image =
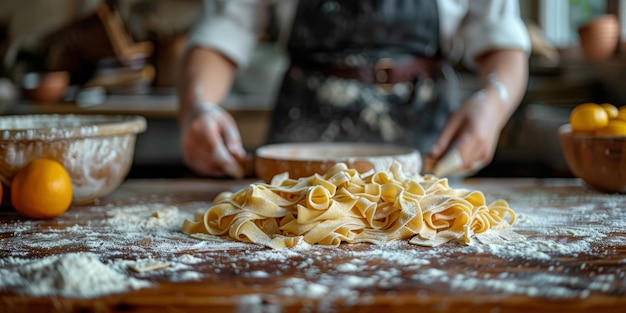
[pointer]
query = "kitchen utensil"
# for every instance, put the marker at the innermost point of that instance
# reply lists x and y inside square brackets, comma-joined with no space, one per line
[96,150]
[306,159]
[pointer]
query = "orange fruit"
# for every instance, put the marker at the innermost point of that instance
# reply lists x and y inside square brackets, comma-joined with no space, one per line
[42,189]
[588,117]
[621,113]
[614,128]
[610,109]
[587,104]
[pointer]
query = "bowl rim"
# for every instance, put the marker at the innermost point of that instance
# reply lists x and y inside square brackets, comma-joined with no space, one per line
[566,130]
[269,151]
[99,125]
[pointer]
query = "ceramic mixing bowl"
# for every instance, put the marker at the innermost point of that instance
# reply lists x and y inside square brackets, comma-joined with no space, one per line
[306,159]
[96,150]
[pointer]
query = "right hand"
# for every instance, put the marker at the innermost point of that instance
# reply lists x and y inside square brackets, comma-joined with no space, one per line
[211,143]
[470,137]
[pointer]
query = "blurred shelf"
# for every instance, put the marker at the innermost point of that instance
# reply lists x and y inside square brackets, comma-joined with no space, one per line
[157,106]
[160,144]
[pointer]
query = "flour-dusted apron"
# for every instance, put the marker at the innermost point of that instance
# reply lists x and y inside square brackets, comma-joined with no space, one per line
[313,105]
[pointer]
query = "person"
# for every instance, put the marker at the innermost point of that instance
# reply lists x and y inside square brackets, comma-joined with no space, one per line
[370,70]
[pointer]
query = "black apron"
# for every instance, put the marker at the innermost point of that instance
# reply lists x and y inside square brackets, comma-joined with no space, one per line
[312,106]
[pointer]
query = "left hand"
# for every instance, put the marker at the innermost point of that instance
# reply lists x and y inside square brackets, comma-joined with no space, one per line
[474,130]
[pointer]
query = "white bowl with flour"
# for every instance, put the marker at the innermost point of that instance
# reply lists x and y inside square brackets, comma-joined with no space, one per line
[96,150]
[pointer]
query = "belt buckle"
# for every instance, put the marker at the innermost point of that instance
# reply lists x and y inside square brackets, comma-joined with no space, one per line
[382,73]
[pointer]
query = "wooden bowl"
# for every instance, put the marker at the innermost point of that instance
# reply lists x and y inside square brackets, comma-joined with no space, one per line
[306,159]
[96,150]
[599,161]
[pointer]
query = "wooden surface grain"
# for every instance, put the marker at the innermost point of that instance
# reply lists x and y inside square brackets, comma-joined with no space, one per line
[586,272]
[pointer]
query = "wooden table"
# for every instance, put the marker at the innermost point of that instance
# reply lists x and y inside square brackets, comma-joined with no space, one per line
[573,258]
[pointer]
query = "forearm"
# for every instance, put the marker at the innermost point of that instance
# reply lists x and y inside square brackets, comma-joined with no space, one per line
[504,77]
[206,77]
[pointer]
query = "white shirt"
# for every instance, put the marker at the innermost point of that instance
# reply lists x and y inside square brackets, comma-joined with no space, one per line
[467,28]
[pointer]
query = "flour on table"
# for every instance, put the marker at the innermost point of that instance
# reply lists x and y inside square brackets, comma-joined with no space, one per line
[150,232]
[138,240]
[148,266]
[144,216]
[79,275]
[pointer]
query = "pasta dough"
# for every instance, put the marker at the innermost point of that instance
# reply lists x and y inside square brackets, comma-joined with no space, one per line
[343,205]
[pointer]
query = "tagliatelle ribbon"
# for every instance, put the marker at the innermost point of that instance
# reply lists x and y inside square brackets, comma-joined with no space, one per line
[343,205]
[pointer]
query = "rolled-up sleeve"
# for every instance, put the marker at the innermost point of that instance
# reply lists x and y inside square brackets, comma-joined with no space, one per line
[492,24]
[230,27]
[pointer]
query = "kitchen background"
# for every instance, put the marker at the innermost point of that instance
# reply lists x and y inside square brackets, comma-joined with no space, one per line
[122,56]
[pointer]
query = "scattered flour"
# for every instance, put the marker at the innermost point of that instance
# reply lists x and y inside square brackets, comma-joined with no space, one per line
[530,265]
[347,267]
[138,235]
[141,217]
[71,275]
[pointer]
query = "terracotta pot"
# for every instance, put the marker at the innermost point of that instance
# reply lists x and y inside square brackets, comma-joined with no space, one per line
[599,37]
[47,87]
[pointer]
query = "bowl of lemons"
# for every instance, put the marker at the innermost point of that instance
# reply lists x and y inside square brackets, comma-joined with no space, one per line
[594,145]
[40,152]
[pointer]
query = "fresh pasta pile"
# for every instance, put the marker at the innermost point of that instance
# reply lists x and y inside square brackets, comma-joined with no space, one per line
[343,205]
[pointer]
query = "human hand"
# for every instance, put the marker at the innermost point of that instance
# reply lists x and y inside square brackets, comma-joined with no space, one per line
[470,137]
[211,143]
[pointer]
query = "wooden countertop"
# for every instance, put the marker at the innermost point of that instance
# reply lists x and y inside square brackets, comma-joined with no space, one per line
[573,258]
